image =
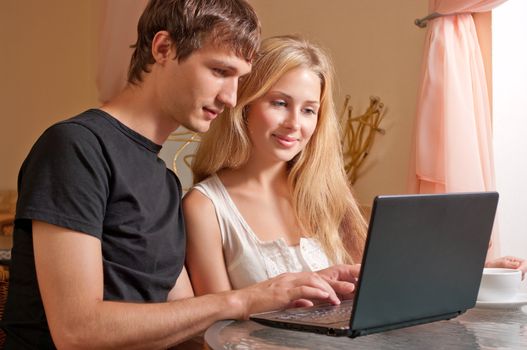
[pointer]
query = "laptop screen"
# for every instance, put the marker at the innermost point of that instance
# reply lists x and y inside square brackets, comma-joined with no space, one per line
[423,258]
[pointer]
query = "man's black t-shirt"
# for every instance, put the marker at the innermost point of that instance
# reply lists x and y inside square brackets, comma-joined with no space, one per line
[94,175]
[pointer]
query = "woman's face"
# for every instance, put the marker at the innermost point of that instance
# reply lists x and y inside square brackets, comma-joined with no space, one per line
[281,122]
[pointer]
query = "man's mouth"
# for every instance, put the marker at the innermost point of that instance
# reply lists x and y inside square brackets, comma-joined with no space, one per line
[212,112]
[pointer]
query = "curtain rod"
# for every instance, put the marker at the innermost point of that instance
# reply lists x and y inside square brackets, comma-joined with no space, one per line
[421,22]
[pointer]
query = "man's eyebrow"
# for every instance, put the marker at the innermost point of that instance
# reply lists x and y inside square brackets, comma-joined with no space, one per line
[289,97]
[225,65]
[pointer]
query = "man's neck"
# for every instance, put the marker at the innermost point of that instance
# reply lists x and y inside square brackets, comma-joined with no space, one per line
[136,108]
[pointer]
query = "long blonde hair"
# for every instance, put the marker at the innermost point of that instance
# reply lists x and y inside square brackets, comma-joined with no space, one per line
[322,200]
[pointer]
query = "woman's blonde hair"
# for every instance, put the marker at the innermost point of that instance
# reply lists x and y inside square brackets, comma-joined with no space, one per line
[321,197]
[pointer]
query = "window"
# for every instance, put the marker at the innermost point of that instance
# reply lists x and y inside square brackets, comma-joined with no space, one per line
[509,62]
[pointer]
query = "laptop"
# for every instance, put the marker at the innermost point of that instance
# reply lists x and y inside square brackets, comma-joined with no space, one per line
[423,261]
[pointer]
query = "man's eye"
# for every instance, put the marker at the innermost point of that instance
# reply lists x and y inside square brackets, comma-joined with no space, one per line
[220,72]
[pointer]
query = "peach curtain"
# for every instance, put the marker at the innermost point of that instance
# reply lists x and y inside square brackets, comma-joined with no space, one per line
[118,30]
[453,139]
[453,143]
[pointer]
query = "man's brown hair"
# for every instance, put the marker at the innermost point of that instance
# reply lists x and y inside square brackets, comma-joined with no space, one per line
[226,23]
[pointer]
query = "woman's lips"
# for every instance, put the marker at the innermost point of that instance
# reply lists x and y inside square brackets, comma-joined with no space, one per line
[285,141]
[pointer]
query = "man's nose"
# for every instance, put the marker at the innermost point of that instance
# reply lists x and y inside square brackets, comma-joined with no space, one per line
[229,91]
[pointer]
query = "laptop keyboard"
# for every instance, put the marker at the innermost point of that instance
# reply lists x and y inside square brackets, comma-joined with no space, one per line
[319,314]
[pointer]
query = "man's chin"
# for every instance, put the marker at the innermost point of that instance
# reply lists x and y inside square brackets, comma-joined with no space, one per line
[201,128]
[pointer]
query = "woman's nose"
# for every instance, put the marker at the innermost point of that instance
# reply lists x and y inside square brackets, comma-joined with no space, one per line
[292,121]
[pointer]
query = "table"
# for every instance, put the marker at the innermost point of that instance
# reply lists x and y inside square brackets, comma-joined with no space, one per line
[478,328]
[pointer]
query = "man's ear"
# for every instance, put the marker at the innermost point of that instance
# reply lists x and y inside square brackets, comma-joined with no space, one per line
[163,48]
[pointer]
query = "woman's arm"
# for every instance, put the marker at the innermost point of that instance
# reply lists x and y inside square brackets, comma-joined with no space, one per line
[509,262]
[205,261]
[182,289]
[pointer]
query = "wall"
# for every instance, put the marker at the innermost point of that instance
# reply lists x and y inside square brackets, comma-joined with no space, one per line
[510,123]
[48,58]
[375,45]
[48,70]
[377,50]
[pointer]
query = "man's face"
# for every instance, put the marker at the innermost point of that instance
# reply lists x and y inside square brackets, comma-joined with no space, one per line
[194,91]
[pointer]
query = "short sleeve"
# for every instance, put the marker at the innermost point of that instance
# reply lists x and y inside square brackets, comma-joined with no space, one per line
[64,181]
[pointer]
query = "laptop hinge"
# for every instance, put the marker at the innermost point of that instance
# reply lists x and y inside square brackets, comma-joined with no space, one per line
[358,332]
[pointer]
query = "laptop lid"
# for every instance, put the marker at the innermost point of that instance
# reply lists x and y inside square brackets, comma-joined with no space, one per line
[422,262]
[423,259]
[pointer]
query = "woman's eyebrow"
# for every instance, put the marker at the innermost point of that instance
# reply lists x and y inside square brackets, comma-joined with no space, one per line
[289,97]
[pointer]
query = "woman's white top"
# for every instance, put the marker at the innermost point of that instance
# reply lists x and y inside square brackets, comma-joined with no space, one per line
[248,259]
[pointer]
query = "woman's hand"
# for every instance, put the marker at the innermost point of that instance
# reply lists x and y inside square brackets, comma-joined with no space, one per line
[342,278]
[509,262]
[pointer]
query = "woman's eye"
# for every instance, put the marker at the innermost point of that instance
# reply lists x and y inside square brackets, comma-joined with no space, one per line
[310,111]
[278,103]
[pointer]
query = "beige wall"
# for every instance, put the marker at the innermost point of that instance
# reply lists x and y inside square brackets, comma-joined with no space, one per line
[49,51]
[48,69]
[377,50]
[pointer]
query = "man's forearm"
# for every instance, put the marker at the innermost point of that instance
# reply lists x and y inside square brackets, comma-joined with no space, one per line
[145,326]
[159,326]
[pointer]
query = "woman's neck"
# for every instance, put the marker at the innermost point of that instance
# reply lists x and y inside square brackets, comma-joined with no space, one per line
[258,176]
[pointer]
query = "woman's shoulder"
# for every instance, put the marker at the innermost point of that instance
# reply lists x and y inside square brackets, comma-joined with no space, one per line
[205,186]
[204,195]
[195,200]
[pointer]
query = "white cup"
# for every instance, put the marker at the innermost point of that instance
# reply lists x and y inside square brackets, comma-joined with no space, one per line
[499,284]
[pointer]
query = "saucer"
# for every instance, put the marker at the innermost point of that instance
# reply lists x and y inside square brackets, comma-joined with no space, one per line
[518,301]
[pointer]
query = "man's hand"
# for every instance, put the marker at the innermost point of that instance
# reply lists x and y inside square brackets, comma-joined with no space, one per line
[509,262]
[298,289]
[283,291]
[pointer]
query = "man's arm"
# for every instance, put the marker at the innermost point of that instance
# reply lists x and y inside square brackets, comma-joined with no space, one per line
[70,277]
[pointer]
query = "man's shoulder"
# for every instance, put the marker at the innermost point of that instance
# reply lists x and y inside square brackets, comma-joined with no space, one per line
[92,125]
[73,131]
[92,119]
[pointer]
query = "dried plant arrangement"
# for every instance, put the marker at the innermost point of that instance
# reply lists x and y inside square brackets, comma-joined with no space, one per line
[358,134]
[185,137]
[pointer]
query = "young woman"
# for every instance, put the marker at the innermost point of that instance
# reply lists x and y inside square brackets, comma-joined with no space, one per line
[272,195]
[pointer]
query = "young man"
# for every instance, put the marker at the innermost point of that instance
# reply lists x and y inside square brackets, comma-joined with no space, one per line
[99,238]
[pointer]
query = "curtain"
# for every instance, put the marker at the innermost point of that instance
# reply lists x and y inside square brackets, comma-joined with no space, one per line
[453,136]
[118,30]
